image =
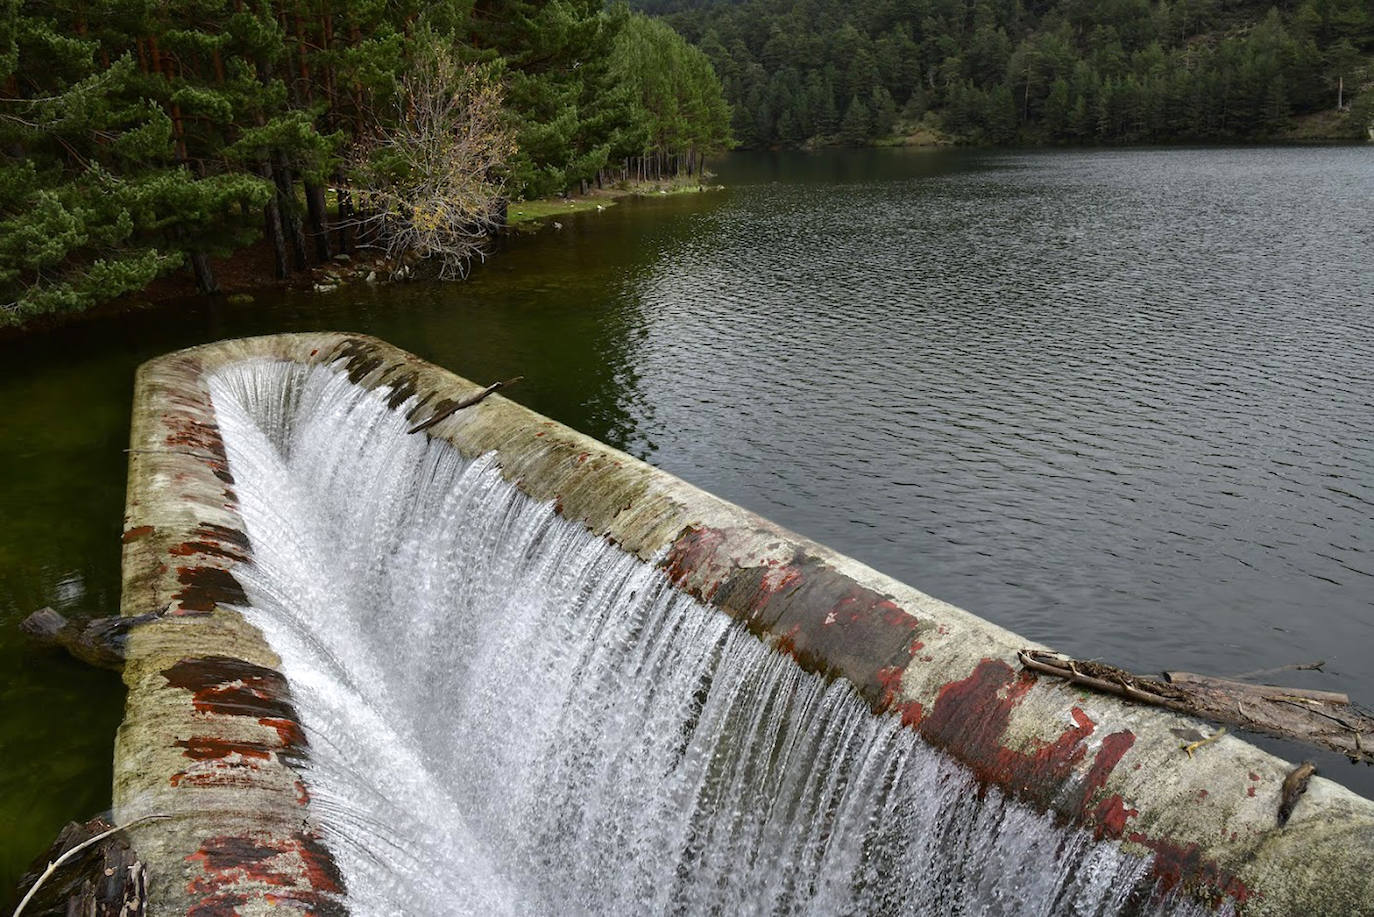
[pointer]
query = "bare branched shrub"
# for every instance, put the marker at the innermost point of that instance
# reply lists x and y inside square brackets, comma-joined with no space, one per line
[429,180]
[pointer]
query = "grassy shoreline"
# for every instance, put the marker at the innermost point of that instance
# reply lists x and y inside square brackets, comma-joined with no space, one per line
[524,215]
[249,270]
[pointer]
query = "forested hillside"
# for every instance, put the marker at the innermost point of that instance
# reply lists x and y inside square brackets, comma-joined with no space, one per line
[139,136]
[1035,71]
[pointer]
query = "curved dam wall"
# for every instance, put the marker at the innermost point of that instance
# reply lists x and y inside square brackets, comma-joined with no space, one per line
[212,735]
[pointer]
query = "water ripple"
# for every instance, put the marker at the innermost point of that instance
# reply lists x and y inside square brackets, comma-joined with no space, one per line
[1117,401]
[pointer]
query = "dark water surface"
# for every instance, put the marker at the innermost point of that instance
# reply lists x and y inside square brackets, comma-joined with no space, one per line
[1119,402]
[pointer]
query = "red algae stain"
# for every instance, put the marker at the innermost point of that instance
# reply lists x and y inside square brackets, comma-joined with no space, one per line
[1114,748]
[890,677]
[137,532]
[207,548]
[320,867]
[970,719]
[205,748]
[694,551]
[291,734]
[215,541]
[233,868]
[220,854]
[232,687]
[778,578]
[834,626]
[205,587]
[1111,814]
[1175,864]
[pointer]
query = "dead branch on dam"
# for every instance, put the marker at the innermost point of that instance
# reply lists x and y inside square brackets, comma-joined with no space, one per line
[1325,719]
[452,409]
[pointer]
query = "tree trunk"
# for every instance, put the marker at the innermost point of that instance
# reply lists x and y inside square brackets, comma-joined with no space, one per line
[316,210]
[205,277]
[272,218]
[286,207]
[345,214]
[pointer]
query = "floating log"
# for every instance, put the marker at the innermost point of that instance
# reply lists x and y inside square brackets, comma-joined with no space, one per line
[99,642]
[1244,687]
[1324,719]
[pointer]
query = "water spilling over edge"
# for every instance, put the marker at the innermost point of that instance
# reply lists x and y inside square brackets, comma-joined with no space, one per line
[509,715]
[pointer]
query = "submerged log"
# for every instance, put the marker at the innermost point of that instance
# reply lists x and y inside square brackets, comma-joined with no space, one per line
[91,870]
[100,642]
[1324,719]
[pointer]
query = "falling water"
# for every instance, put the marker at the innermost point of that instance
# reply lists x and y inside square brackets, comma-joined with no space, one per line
[508,715]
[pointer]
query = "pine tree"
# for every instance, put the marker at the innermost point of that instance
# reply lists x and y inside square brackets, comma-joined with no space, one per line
[97,192]
[857,126]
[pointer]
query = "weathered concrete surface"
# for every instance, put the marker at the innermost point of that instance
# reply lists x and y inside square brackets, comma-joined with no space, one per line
[1109,766]
[209,733]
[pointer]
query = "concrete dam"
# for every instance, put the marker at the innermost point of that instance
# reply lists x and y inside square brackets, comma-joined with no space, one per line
[498,667]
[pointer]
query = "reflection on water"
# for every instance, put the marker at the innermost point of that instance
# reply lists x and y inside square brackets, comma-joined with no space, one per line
[1117,401]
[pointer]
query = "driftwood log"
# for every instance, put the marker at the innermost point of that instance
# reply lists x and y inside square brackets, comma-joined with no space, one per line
[85,874]
[1324,719]
[99,642]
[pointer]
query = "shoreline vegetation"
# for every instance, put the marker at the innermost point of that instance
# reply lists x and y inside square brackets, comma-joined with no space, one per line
[247,272]
[149,142]
[158,145]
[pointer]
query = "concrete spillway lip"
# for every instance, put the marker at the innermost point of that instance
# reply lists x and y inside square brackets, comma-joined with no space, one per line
[211,737]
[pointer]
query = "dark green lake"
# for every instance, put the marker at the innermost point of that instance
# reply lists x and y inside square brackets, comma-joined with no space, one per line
[1117,401]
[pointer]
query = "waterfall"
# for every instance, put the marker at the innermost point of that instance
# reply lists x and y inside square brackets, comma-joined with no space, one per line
[508,715]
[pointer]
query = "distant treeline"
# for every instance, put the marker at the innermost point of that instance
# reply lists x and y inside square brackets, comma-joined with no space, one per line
[1034,71]
[143,135]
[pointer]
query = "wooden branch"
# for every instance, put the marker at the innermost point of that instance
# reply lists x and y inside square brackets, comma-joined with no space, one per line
[1294,667]
[90,842]
[1321,718]
[1242,687]
[465,403]
[1033,659]
[1194,746]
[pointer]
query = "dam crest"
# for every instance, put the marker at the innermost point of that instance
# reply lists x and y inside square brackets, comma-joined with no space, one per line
[500,668]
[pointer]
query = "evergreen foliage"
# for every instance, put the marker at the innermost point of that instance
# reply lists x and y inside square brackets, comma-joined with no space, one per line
[142,136]
[1057,71]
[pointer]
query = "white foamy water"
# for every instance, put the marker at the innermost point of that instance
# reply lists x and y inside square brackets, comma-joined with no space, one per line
[508,715]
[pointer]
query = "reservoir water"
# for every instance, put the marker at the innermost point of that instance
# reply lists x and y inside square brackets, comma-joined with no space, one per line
[1118,401]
